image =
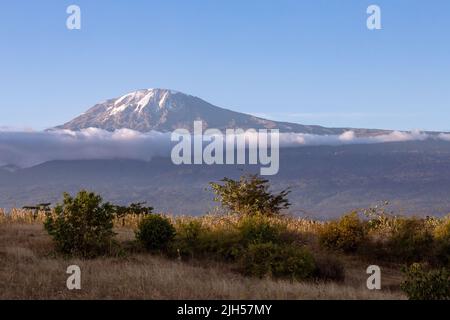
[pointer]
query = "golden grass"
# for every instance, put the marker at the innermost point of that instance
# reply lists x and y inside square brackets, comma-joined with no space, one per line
[29,269]
[212,221]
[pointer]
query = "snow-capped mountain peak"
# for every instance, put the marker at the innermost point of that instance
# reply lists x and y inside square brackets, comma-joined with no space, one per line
[137,101]
[166,110]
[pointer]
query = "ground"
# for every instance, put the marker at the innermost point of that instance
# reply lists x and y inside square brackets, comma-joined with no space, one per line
[29,269]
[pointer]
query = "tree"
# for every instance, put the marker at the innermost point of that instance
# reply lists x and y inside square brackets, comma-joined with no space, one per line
[82,225]
[134,208]
[250,195]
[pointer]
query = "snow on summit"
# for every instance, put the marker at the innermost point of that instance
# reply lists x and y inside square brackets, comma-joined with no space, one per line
[165,110]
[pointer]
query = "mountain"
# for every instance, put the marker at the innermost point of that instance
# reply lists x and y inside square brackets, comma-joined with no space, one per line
[326,181]
[166,110]
[9,168]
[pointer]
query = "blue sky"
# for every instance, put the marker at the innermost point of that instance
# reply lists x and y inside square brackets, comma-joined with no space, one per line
[312,62]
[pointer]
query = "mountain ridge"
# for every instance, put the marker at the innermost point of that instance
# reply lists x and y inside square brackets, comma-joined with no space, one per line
[325,181]
[165,110]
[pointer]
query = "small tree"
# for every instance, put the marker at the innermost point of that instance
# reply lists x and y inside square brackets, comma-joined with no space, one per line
[82,225]
[155,232]
[250,195]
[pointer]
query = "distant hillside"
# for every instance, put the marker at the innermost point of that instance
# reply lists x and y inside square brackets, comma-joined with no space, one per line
[326,181]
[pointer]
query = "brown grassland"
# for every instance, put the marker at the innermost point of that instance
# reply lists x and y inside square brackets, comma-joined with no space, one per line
[30,269]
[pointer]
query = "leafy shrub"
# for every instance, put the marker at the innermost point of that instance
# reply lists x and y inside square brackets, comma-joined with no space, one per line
[222,244]
[250,195]
[423,284]
[82,225]
[346,234]
[442,238]
[259,229]
[329,268]
[155,232]
[193,239]
[268,259]
[411,241]
[187,241]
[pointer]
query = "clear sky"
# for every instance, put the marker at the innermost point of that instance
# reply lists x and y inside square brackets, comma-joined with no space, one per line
[312,62]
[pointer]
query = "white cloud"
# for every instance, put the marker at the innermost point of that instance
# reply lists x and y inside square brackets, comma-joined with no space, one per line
[29,148]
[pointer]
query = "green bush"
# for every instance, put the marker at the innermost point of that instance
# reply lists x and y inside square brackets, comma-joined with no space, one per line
[286,261]
[442,238]
[250,195]
[155,232]
[424,284]
[82,225]
[346,234]
[188,240]
[259,229]
[411,241]
[223,245]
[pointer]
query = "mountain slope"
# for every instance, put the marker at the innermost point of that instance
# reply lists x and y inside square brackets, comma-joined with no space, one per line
[325,181]
[166,110]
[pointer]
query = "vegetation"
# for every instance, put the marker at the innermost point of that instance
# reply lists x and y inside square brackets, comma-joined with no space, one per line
[155,232]
[426,284]
[250,195]
[411,241]
[255,242]
[82,225]
[346,234]
[258,229]
[287,261]
[442,242]
[30,270]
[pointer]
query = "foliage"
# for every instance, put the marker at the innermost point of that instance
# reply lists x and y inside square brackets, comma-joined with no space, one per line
[250,195]
[268,259]
[329,268]
[82,225]
[411,241]
[259,229]
[346,234]
[188,238]
[424,284]
[155,232]
[132,209]
[442,238]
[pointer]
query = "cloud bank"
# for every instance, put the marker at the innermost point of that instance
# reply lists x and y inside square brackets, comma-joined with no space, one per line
[29,148]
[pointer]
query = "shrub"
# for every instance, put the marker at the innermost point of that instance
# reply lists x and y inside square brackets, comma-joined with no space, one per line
[329,268]
[187,240]
[346,234]
[155,232]
[423,284]
[411,241]
[250,195]
[442,237]
[82,225]
[193,239]
[222,244]
[259,229]
[287,261]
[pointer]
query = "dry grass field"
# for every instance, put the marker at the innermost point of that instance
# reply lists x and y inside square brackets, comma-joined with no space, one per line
[30,269]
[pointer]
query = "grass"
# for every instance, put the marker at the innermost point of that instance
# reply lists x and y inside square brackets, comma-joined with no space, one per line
[30,269]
